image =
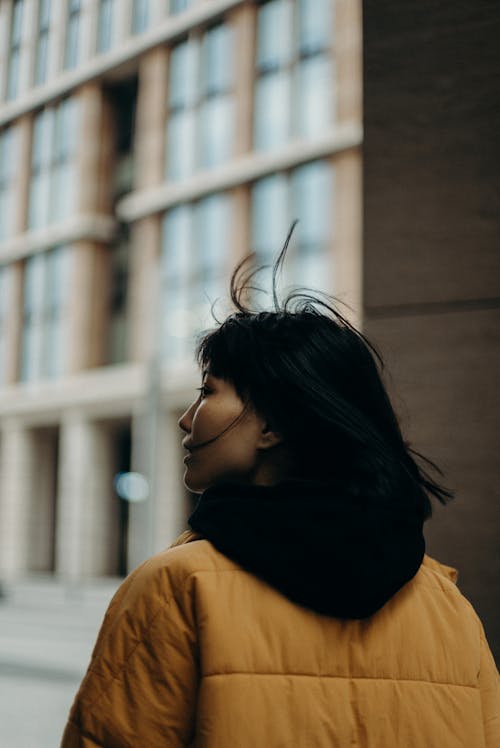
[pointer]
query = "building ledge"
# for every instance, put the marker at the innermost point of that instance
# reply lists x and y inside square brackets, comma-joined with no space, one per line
[241,170]
[90,226]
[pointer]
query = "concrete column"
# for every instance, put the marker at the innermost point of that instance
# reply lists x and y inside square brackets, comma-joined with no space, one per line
[88,312]
[144,269]
[158,12]
[21,186]
[151,115]
[122,21]
[348,60]
[167,514]
[243,22]
[95,151]
[85,532]
[16,488]
[347,238]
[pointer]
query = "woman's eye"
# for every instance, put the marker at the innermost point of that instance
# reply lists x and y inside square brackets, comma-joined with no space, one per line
[203,390]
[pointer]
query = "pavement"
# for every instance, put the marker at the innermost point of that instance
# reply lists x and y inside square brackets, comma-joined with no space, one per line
[47,632]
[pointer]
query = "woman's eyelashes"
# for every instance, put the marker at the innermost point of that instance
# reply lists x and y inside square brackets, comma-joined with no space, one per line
[204,391]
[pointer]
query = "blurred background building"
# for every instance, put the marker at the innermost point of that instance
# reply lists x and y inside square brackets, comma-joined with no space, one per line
[145,147]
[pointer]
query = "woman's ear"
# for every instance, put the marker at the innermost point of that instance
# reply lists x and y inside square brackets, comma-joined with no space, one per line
[268,437]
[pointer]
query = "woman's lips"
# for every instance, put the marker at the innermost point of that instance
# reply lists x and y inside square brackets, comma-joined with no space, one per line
[188,457]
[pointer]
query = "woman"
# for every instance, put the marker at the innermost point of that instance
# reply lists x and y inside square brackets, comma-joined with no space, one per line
[301,609]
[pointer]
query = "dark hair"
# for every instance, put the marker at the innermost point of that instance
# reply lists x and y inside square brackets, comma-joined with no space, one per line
[315,378]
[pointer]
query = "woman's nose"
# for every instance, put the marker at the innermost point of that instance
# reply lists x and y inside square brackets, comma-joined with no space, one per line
[185,420]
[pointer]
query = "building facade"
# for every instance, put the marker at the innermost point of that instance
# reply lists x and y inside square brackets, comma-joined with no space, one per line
[146,146]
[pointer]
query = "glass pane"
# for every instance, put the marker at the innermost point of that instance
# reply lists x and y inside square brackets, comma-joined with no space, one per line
[72,38]
[217,60]
[17,16]
[176,244]
[44,14]
[312,270]
[140,16]
[274,34]
[65,129]
[62,193]
[181,145]
[312,203]
[216,136]
[105,25]
[177,6]
[38,214]
[212,233]
[34,282]
[57,286]
[182,76]
[41,150]
[315,25]
[41,58]
[270,215]
[13,77]
[316,97]
[272,110]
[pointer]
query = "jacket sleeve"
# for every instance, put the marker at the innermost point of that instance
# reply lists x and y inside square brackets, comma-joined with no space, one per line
[140,687]
[489,686]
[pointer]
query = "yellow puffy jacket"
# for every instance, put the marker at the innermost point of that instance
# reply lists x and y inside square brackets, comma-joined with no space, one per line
[195,651]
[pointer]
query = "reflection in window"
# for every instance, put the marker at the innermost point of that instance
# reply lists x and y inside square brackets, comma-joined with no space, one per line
[294,81]
[140,16]
[72,46]
[45,296]
[105,25]
[4,304]
[195,249]
[42,42]
[8,165]
[52,186]
[305,194]
[200,104]
[14,49]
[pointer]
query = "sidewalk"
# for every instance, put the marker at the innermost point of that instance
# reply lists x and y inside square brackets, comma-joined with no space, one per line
[47,631]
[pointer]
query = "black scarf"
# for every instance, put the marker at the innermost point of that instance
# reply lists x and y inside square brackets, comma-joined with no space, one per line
[339,555]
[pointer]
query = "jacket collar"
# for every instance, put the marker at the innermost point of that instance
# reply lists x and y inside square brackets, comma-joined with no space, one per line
[324,549]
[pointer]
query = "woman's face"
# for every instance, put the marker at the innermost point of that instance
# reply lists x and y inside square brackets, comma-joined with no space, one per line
[238,454]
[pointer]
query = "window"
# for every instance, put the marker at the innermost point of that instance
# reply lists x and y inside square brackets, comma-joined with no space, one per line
[140,16]
[177,6]
[8,164]
[294,75]
[72,47]
[42,42]
[46,284]
[216,106]
[4,305]
[200,104]
[195,249]
[106,25]
[306,193]
[15,49]
[53,179]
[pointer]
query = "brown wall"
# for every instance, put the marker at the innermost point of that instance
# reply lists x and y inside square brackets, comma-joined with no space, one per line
[432,259]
